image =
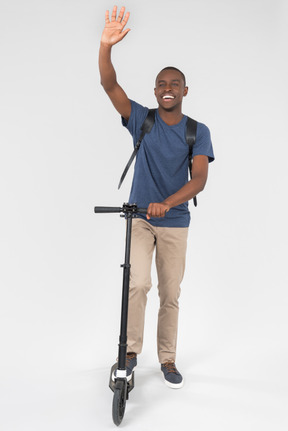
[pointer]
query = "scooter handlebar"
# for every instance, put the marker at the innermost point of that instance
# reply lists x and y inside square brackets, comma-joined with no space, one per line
[108,209]
[118,210]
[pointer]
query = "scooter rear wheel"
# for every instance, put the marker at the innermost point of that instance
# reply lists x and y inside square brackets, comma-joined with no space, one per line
[119,401]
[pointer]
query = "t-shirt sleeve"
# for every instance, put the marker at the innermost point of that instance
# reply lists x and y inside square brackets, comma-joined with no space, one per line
[203,144]
[136,119]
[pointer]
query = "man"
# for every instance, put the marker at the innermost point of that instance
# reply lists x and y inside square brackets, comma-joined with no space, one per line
[160,183]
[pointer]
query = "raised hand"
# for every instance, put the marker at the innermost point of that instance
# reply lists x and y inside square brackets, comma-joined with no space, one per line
[114,30]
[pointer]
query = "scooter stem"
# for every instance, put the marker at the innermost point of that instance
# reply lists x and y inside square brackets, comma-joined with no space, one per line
[125,296]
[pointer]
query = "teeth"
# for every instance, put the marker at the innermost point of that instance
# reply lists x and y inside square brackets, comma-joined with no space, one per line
[168,97]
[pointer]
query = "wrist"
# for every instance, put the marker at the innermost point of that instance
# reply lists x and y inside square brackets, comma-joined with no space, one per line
[166,202]
[105,45]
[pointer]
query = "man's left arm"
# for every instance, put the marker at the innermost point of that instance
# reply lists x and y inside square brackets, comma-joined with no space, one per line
[187,192]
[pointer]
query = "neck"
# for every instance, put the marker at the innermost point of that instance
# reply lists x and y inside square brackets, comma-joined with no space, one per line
[170,117]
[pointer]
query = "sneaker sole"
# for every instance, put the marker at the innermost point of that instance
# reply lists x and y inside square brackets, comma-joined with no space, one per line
[174,385]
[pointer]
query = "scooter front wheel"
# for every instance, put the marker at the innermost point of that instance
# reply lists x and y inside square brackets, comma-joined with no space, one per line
[119,401]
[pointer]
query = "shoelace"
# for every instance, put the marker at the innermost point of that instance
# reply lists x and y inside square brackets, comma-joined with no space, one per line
[129,356]
[171,368]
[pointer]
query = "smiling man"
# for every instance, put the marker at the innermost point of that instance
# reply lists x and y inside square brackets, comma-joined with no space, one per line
[160,183]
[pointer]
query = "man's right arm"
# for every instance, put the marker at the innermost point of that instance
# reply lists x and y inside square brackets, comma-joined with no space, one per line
[113,33]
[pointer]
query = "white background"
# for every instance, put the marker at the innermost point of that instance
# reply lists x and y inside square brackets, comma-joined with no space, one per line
[63,150]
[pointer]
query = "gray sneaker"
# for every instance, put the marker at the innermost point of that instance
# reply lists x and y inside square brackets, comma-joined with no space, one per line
[172,377]
[131,362]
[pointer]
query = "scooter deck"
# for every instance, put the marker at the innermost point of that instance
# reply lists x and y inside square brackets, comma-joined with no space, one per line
[130,384]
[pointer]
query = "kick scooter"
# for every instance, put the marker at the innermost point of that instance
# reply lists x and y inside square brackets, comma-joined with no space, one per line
[118,378]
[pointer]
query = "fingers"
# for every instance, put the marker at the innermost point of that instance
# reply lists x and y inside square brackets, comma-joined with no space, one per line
[125,19]
[121,13]
[156,209]
[120,18]
[125,32]
[114,13]
[107,17]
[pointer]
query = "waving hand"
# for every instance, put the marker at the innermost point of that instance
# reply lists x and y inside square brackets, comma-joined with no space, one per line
[114,30]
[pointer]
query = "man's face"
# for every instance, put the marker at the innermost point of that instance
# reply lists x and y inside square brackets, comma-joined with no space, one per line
[170,89]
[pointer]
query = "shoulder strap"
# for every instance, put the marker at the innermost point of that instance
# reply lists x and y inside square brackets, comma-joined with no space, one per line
[145,128]
[191,130]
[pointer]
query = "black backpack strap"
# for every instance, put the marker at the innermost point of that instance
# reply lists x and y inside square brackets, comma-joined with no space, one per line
[191,130]
[145,128]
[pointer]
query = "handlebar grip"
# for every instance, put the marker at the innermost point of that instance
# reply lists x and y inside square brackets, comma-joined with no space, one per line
[108,209]
[142,210]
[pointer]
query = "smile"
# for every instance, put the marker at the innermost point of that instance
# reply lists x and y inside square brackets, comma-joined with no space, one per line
[167,97]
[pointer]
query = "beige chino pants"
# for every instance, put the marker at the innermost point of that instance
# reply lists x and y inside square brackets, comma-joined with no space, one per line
[170,245]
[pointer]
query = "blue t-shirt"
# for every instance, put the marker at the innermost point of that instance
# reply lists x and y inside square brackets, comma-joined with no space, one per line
[161,167]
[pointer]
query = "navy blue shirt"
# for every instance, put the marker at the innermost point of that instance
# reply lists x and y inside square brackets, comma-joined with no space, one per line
[161,167]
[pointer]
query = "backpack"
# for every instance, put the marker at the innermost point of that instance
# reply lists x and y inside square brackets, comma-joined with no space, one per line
[191,129]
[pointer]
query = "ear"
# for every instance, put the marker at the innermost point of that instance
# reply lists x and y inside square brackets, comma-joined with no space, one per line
[185,91]
[155,91]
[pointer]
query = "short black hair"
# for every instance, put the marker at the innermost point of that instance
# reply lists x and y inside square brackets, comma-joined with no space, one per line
[173,68]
